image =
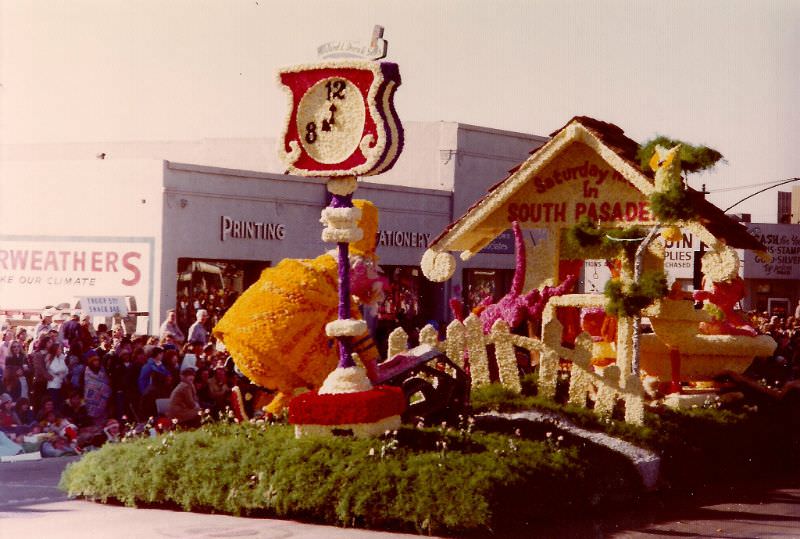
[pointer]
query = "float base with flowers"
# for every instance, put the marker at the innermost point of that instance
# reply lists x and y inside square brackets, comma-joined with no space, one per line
[586,191]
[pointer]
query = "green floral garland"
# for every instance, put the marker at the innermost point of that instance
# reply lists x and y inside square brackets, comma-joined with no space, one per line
[586,241]
[672,205]
[625,301]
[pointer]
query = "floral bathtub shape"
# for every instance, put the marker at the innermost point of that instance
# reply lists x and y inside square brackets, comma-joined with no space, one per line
[702,357]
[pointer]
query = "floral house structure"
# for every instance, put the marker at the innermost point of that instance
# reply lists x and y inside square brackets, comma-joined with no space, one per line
[583,195]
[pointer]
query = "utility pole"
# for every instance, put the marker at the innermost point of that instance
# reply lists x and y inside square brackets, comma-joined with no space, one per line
[697,277]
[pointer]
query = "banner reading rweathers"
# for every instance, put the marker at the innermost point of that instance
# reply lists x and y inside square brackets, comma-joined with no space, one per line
[37,272]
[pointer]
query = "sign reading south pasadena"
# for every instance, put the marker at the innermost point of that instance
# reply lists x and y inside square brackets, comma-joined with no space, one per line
[35,273]
[783,246]
[342,120]
[577,184]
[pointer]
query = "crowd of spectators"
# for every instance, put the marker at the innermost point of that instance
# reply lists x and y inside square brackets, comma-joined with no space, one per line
[67,386]
[784,364]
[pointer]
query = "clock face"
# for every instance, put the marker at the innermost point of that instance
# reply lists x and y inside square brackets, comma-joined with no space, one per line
[342,120]
[330,120]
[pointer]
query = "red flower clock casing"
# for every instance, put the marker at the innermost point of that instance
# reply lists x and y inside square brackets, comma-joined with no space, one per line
[342,120]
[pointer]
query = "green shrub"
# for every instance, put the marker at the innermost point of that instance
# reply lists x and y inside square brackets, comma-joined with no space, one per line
[429,480]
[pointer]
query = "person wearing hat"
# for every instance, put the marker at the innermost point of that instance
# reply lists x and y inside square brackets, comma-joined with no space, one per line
[8,416]
[46,324]
[184,406]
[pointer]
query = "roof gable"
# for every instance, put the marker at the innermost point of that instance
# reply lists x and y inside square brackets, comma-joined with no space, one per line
[493,213]
[476,228]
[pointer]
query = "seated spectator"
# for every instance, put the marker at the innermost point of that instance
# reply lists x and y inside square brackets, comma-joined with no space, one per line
[183,406]
[10,422]
[51,422]
[112,431]
[47,406]
[207,359]
[58,447]
[25,412]
[109,434]
[74,411]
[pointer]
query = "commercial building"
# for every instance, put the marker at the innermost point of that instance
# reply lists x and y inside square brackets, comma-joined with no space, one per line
[151,226]
[96,223]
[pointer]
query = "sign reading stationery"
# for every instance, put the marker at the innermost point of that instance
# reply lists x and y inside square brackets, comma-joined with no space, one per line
[342,120]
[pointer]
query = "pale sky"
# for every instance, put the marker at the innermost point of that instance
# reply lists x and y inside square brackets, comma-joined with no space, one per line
[723,73]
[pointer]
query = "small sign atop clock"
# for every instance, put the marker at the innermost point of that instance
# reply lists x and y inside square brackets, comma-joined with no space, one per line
[375,50]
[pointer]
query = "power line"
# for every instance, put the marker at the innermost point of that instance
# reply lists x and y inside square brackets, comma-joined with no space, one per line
[790,180]
[740,187]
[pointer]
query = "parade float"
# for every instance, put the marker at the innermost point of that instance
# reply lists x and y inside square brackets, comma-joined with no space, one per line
[585,190]
[589,199]
[346,459]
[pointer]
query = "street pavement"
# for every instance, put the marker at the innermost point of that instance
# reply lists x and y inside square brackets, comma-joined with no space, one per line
[31,506]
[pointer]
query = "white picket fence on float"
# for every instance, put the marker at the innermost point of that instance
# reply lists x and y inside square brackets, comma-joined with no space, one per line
[466,339]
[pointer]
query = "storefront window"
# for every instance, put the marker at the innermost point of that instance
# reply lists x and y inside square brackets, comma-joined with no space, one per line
[213,285]
[411,302]
[401,303]
[481,283]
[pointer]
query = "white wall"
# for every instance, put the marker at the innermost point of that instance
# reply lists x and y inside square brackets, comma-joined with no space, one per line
[93,204]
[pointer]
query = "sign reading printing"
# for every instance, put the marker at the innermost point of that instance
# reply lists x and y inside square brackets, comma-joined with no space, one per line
[250,230]
[37,272]
[104,305]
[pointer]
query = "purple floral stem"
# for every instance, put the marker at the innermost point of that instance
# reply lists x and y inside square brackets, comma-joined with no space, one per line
[345,345]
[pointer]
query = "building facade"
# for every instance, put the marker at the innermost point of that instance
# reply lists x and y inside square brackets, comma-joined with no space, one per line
[185,224]
[80,227]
